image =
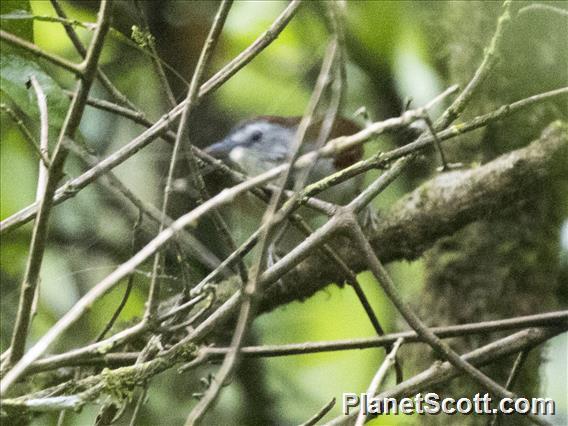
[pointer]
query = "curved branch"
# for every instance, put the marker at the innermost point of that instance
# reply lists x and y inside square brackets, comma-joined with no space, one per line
[436,209]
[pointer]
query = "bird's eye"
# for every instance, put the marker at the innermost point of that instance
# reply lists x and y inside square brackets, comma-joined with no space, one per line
[256,136]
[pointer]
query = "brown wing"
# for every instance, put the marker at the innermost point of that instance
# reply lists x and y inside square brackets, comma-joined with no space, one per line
[344,127]
[341,127]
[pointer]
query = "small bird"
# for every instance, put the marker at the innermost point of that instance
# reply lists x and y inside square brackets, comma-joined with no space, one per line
[264,142]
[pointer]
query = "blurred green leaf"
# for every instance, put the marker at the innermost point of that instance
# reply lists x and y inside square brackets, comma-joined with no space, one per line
[15,72]
[22,28]
[17,187]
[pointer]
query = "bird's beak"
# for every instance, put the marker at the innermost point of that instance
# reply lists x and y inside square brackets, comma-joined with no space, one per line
[220,149]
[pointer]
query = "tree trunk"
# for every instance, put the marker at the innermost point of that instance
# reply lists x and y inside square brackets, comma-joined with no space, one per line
[508,266]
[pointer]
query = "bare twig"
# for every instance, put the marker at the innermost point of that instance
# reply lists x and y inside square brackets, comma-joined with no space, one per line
[248,305]
[24,16]
[490,59]
[181,137]
[134,115]
[43,139]
[137,407]
[379,378]
[88,69]
[412,319]
[67,25]
[541,7]
[475,123]
[162,124]
[435,375]
[250,52]
[151,44]
[320,414]
[129,284]
[440,373]
[513,375]
[32,48]
[43,168]
[25,132]
[110,182]
[551,319]
[103,78]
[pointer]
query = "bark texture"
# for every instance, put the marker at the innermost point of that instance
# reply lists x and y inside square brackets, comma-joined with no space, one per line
[508,265]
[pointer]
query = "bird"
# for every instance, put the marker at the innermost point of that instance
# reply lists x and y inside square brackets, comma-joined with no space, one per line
[259,144]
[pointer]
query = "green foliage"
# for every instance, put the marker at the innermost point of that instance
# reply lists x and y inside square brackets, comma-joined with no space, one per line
[16,8]
[142,38]
[388,49]
[15,74]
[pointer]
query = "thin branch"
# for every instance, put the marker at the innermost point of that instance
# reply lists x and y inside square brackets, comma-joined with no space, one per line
[25,132]
[151,44]
[68,26]
[379,378]
[194,317]
[103,78]
[32,48]
[437,374]
[43,139]
[110,182]
[129,284]
[557,319]
[137,407]
[254,49]
[95,349]
[513,375]
[552,319]
[540,7]
[248,303]
[157,129]
[351,279]
[440,373]
[39,235]
[43,168]
[134,115]
[476,123]
[441,348]
[181,137]
[320,414]
[22,15]
[490,59]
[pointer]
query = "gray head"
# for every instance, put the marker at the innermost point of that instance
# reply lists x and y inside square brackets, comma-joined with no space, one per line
[256,145]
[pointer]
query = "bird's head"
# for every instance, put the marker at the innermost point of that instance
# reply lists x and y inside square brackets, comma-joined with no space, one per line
[261,143]
[258,144]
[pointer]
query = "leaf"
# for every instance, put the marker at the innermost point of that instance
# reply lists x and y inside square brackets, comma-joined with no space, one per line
[15,72]
[22,28]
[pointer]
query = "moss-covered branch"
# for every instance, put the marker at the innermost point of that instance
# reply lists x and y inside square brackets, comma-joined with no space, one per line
[438,208]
